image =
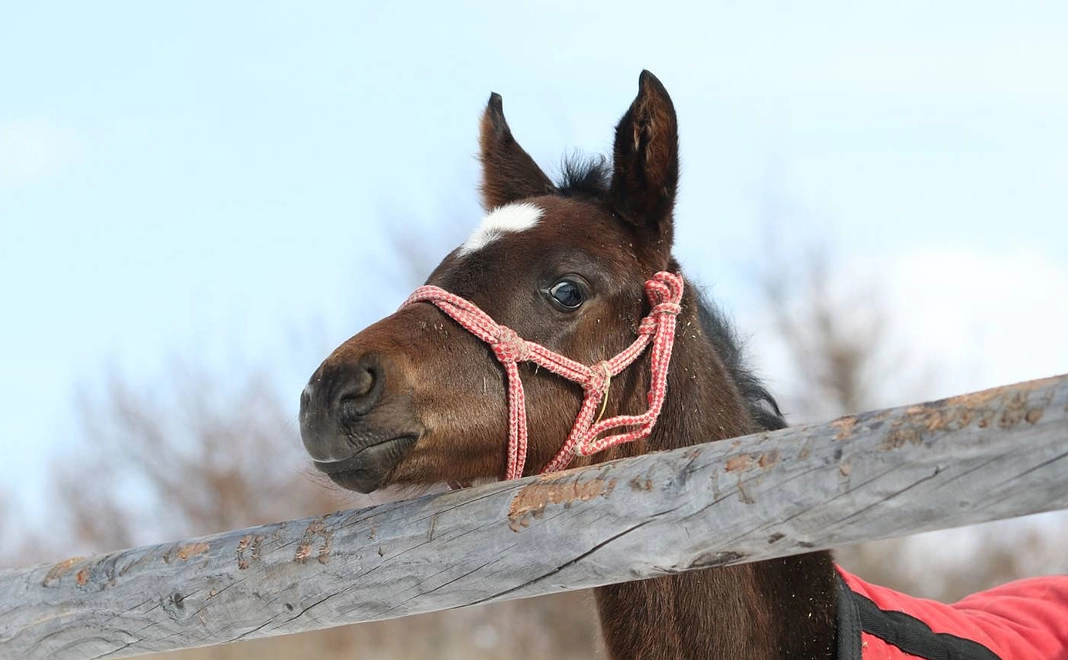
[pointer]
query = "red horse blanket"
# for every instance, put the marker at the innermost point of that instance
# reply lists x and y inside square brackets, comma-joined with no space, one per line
[1022,620]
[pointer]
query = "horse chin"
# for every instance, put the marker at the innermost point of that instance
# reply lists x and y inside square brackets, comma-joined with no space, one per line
[369,469]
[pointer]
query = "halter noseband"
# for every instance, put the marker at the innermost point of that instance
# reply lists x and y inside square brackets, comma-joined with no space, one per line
[664,292]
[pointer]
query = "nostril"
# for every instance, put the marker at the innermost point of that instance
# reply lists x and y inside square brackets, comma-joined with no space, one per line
[361,390]
[363,381]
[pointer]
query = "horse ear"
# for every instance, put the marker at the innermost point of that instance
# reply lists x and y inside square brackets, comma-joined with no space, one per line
[508,173]
[645,168]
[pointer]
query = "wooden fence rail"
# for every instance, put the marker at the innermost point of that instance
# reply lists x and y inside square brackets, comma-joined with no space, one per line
[979,457]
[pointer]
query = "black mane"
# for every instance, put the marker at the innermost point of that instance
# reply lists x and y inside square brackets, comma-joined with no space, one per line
[717,327]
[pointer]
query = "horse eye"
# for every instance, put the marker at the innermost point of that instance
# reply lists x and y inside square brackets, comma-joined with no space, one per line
[567,294]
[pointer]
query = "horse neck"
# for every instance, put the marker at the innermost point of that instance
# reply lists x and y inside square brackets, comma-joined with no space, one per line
[782,608]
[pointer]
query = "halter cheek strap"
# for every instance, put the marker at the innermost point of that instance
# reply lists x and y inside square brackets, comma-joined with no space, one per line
[664,292]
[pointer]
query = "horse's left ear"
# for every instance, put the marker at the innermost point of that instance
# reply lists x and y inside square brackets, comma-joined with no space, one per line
[645,168]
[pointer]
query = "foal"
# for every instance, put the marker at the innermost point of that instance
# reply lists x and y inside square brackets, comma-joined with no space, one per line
[415,400]
[581,276]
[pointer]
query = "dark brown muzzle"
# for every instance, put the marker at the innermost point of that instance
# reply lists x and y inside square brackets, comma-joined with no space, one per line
[347,426]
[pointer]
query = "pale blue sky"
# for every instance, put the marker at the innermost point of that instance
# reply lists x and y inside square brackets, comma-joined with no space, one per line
[215,180]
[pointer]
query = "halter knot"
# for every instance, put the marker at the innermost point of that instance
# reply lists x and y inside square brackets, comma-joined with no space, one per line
[509,346]
[650,323]
[599,378]
[667,308]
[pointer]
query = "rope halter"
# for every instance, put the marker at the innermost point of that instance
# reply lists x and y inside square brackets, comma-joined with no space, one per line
[664,292]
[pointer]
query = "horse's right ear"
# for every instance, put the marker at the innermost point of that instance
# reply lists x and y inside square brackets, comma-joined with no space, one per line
[509,174]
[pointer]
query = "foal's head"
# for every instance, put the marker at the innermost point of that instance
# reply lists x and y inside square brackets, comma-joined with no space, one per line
[415,399]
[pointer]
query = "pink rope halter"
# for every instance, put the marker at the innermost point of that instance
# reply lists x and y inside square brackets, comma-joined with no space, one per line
[664,292]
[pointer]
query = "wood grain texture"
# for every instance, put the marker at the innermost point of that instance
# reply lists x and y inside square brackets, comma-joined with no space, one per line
[979,457]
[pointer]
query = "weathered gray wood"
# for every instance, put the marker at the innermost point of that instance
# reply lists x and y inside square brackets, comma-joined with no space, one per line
[978,457]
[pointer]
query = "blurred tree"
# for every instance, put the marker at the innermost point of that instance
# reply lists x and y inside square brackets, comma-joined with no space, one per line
[838,344]
[832,340]
[187,458]
[10,536]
